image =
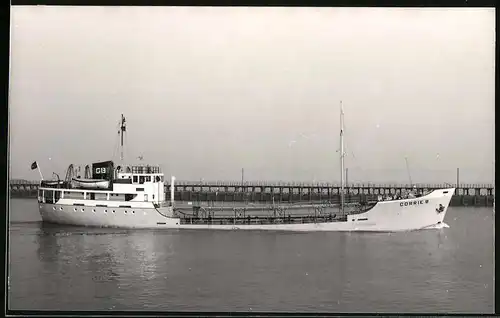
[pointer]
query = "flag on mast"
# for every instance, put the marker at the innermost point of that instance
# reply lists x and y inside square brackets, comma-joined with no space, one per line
[34,166]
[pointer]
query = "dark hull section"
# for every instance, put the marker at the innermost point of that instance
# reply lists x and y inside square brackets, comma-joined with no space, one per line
[260,220]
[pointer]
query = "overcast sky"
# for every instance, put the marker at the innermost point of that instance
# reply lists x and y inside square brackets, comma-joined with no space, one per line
[208,91]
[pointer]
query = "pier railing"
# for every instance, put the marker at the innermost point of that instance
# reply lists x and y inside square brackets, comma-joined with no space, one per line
[280,191]
[286,184]
[292,184]
[295,187]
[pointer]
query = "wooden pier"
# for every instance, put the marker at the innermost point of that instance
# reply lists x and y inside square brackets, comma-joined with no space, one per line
[292,192]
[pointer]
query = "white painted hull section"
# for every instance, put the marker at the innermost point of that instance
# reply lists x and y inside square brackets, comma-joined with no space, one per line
[386,216]
[116,217]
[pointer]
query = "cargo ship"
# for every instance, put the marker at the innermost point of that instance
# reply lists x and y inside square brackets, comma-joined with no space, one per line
[133,196]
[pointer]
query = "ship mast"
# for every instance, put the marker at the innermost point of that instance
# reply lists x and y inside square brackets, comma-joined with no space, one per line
[122,130]
[341,159]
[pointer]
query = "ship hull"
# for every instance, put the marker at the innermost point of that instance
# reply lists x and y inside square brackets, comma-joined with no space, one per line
[386,216]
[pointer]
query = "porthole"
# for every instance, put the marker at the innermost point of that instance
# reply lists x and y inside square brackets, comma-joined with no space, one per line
[105,211]
[60,208]
[93,210]
[113,211]
[125,212]
[74,209]
[83,210]
[54,208]
[133,212]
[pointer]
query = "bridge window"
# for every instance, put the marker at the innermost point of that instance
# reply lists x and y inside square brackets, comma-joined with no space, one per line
[100,196]
[148,178]
[73,195]
[141,179]
[134,179]
[48,196]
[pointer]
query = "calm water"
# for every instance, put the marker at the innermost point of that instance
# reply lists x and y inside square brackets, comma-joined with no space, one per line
[68,268]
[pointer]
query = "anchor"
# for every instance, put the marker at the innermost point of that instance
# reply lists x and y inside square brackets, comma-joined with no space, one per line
[440,208]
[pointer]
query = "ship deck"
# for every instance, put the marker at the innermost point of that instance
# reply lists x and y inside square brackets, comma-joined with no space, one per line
[257,215]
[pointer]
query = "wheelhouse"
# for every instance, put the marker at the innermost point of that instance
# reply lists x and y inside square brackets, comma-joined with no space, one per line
[138,174]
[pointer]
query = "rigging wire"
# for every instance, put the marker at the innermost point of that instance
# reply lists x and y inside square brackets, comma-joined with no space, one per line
[126,152]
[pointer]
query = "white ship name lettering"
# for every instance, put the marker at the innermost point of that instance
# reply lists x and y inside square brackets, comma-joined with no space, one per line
[100,170]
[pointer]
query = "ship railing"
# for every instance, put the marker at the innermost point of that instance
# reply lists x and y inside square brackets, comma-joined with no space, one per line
[139,169]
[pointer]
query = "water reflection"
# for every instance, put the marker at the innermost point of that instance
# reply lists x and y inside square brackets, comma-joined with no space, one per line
[342,264]
[71,268]
[144,254]
[47,238]
[75,259]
